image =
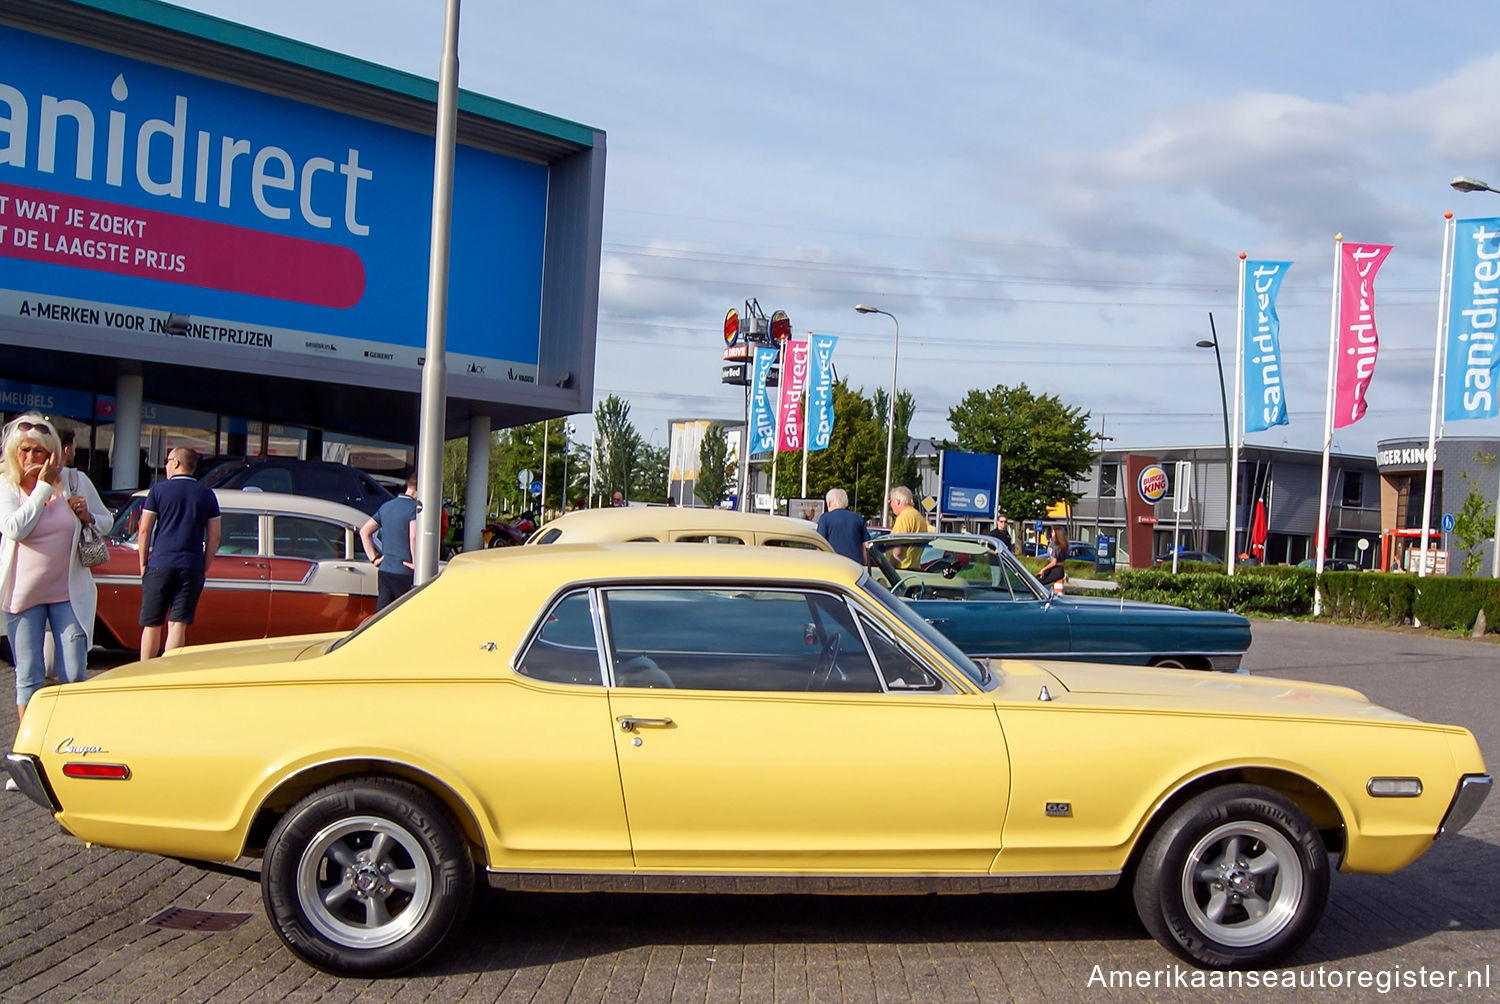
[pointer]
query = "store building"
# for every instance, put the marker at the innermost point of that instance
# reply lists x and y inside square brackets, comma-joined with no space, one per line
[1284,482]
[219,238]
[1462,467]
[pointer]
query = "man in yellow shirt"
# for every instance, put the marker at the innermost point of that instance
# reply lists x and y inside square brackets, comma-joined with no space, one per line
[908,520]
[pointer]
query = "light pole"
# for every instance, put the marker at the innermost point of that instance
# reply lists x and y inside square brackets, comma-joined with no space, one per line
[1463,183]
[569,429]
[1205,343]
[890,418]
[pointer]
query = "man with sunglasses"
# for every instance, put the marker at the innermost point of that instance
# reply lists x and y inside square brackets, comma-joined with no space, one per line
[185,517]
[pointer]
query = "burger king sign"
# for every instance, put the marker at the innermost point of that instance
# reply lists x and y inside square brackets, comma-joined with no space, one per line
[1152,484]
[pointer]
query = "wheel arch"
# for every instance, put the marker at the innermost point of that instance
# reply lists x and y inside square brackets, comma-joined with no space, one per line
[1185,661]
[1309,796]
[294,787]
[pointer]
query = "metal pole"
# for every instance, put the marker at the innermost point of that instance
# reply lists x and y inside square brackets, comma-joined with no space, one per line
[1445,290]
[1228,447]
[435,366]
[1333,347]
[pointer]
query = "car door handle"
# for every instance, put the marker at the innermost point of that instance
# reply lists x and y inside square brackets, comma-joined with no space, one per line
[936,621]
[630,724]
[346,568]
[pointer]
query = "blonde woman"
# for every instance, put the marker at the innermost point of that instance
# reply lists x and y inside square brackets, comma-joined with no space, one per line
[43,586]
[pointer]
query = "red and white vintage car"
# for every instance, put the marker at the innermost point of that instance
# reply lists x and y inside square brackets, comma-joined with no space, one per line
[286,565]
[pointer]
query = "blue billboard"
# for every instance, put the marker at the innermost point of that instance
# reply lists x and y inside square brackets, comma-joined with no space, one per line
[970,483]
[129,191]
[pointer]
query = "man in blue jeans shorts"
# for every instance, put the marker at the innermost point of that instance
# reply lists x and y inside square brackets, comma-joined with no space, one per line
[185,518]
[396,522]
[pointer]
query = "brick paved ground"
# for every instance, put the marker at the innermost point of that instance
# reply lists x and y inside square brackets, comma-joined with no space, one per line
[71,917]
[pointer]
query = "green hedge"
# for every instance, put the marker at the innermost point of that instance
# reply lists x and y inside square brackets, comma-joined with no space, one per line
[1443,602]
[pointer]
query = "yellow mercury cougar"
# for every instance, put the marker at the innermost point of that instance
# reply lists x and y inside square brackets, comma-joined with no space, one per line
[766,719]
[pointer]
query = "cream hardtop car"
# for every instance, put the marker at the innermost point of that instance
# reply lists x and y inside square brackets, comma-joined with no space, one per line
[677,524]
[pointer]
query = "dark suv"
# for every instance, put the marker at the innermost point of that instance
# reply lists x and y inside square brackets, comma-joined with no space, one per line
[318,478]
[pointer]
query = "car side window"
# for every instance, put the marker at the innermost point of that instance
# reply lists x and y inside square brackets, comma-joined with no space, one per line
[564,648]
[269,479]
[239,533]
[307,537]
[780,542]
[901,670]
[736,639]
[707,538]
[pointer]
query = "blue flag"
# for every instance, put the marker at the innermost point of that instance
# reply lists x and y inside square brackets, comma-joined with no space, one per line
[762,418]
[820,393]
[1265,396]
[1471,370]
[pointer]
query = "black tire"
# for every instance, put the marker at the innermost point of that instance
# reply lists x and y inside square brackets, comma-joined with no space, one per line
[1237,878]
[350,916]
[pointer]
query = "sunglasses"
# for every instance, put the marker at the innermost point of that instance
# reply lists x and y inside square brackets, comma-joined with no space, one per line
[39,426]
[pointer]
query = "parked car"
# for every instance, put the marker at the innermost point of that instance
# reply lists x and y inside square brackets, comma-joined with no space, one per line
[1079,551]
[1332,564]
[321,479]
[982,597]
[1202,557]
[680,524]
[997,608]
[632,715]
[286,565]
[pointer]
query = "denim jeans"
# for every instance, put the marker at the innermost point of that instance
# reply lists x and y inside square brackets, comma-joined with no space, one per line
[26,631]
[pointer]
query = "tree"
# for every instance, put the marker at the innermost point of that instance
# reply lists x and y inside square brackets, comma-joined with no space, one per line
[617,445]
[648,478]
[855,458]
[1472,524]
[714,476]
[1043,444]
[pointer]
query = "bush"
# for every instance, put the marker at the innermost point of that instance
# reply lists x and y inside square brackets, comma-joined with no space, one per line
[1442,602]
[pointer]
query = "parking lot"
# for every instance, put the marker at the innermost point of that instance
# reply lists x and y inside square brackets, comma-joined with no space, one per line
[74,918]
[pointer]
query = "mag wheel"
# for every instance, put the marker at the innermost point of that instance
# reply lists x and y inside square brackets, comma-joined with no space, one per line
[366,877]
[1236,878]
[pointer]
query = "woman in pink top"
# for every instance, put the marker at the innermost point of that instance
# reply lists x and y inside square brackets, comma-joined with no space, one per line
[42,583]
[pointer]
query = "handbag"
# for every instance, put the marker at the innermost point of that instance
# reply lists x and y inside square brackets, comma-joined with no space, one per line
[92,548]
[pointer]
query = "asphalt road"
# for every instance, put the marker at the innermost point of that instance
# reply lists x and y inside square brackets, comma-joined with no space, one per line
[72,918]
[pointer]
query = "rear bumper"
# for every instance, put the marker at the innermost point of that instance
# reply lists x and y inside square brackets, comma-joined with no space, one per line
[1470,794]
[27,772]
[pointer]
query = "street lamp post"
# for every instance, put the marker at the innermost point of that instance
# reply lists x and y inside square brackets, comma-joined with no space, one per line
[1205,343]
[1462,183]
[890,418]
[569,429]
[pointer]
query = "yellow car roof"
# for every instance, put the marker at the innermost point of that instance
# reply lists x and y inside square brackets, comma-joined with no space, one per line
[559,564]
[628,523]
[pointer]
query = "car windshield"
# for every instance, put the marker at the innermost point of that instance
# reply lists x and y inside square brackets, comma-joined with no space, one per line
[975,670]
[953,568]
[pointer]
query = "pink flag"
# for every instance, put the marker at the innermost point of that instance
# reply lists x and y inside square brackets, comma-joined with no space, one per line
[1358,342]
[793,382]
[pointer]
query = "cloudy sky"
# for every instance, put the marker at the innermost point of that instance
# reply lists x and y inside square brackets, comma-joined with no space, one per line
[1048,193]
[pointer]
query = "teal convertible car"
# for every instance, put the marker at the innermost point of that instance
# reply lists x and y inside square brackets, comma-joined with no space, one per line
[980,596]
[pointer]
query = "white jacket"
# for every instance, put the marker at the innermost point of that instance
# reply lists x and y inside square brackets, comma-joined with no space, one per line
[19,513]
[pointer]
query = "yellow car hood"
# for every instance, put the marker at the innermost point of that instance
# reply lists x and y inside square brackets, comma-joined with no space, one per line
[1219,692]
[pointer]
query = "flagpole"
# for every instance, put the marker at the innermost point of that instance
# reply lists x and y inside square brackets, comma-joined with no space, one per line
[1333,363]
[806,421]
[780,400]
[1239,426]
[1445,292]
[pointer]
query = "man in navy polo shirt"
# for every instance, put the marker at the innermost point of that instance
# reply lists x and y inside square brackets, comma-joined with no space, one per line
[842,527]
[185,518]
[396,524]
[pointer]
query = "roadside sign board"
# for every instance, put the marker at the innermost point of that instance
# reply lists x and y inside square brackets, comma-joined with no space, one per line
[536,489]
[1182,486]
[1448,522]
[524,478]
